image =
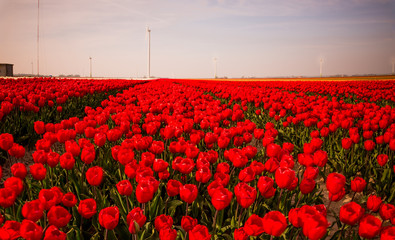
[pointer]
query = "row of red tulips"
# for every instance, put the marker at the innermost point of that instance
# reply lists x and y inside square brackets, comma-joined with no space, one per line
[186,159]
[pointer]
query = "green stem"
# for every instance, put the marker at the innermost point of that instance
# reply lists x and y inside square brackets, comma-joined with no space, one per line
[105,234]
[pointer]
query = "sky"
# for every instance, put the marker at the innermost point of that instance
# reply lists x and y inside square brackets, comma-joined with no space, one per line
[199,38]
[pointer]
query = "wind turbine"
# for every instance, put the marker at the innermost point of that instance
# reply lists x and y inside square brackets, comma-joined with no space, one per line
[215,65]
[149,52]
[321,67]
[393,66]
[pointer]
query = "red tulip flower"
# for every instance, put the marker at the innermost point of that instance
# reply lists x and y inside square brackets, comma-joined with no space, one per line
[135,216]
[358,184]
[254,225]
[369,226]
[265,186]
[33,210]
[53,233]
[58,216]
[87,208]
[6,141]
[69,199]
[274,223]
[335,182]
[38,171]
[221,198]
[188,193]
[19,170]
[109,217]
[94,175]
[199,232]
[240,234]
[284,177]
[351,213]
[162,222]
[387,211]
[382,159]
[67,161]
[168,234]
[188,223]
[173,187]
[245,194]
[373,203]
[124,188]
[30,230]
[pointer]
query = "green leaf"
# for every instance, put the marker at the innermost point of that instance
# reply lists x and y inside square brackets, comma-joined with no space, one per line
[173,205]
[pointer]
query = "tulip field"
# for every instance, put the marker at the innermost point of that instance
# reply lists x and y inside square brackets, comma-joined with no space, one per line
[197,159]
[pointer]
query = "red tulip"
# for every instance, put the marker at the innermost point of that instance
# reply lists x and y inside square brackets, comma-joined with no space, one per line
[94,175]
[160,165]
[100,139]
[30,230]
[382,159]
[388,233]
[38,171]
[67,161]
[351,213]
[387,211]
[12,228]
[188,193]
[203,174]
[48,198]
[162,222]
[58,216]
[316,226]
[265,186]
[335,182]
[53,233]
[14,184]
[188,223]
[273,150]
[221,198]
[284,177]
[69,199]
[173,187]
[240,234]
[307,185]
[274,223]
[168,234]
[373,203]
[124,187]
[199,232]
[358,184]
[19,170]
[88,154]
[109,217]
[369,145]
[87,208]
[245,194]
[254,225]
[33,210]
[135,216]
[73,148]
[247,174]
[17,151]
[6,141]
[369,226]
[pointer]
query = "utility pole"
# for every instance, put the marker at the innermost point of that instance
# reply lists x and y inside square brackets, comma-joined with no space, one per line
[149,52]
[90,67]
[38,38]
